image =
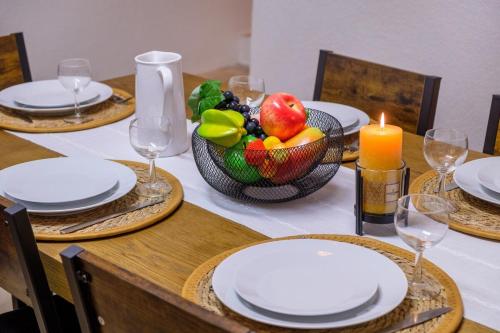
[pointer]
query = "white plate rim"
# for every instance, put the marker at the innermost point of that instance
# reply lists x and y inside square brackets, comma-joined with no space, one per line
[219,285]
[370,284]
[484,176]
[7,95]
[51,85]
[108,174]
[125,184]
[472,185]
[364,119]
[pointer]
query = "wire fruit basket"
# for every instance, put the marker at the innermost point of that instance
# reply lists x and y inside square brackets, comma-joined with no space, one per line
[286,174]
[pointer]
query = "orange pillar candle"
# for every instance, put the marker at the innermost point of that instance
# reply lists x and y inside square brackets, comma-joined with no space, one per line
[380,156]
[380,146]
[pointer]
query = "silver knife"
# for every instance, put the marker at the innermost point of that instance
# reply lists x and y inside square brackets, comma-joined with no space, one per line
[448,187]
[86,224]
[413,319]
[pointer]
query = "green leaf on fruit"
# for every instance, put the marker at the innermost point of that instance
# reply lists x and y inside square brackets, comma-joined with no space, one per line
[209,103]
[205,96]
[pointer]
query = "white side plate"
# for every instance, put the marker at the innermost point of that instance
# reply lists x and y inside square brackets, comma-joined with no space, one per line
[465,177]
[8,96]
[49,94]
[489,174]
[307,282]
[345,115]
[58,180]
[126,182]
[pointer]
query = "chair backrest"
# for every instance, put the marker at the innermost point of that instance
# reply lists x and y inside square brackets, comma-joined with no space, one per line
[21,269]
[492,139]
[14,66]
[408,99]
[108,298]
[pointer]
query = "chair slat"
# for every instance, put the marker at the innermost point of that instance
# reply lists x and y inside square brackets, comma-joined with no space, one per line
[408,99]
[14,66]
[492,139]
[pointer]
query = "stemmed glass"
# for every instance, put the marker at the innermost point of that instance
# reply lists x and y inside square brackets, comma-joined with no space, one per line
[74,75]
[150,136]
[249,89]
[444,150]
[421,220]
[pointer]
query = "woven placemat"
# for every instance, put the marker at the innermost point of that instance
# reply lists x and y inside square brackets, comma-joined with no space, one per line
[102,114]
[473,216]
[198,289]
[350,156]
[46,228]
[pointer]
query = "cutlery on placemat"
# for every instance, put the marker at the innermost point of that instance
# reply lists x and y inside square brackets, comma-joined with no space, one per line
[21,116]
[448,187]
[413,319]
[86,224]
[120,100]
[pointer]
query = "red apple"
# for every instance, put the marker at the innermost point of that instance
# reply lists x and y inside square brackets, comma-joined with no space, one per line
[282,115]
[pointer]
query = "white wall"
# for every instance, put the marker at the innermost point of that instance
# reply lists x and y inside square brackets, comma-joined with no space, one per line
[458,40]
[111,32]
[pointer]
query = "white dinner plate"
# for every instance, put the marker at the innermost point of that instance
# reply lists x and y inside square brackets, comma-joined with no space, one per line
[307,282]
[49,94]
[465,177]
[58,180]
[8,98]
[344,113]
[126,180]
[392,286]
[489,174]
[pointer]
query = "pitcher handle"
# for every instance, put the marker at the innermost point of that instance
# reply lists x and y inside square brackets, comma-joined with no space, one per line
[168,92]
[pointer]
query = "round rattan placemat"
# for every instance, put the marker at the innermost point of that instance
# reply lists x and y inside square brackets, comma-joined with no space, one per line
[46,228]
[473,216]
[102,114]
[350,156]
[198,289]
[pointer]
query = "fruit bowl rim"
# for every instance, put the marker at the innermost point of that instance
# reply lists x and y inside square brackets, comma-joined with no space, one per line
[252,111]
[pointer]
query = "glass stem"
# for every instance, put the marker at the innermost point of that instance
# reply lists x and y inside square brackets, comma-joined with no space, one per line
[77,106]
[152,171]
[442,182]
[417,271]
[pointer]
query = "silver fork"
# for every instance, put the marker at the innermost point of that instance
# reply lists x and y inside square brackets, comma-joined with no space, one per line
[120,100]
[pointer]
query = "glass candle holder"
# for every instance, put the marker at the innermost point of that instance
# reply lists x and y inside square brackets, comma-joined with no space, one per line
[377,194]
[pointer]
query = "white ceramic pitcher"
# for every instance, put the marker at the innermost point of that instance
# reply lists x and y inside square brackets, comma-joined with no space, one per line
[159,91]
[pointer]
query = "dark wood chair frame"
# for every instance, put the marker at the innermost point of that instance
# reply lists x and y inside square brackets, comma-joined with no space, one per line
[23,56]
[429,97]
[79,280]
[17,221]
[492,127]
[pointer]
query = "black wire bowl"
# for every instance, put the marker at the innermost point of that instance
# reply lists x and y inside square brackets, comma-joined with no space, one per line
[291,173]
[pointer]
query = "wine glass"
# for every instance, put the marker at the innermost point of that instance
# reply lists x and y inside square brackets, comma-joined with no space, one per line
[421,220]
[74,75]
[249,89]
[444,150]
[150,136]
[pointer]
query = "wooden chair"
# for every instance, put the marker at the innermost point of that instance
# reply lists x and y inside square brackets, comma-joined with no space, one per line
[492,139]
[22,274]
[408,99]
[14,66]
[110,299]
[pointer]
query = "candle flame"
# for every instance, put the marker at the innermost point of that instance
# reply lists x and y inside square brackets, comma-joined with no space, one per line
[382,121]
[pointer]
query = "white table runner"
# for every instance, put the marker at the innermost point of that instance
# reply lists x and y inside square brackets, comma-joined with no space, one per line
[472,262]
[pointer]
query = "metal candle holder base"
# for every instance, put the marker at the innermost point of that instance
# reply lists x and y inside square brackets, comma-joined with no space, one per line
[362,216]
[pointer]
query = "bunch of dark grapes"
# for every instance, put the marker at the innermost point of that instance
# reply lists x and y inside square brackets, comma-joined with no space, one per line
[252,125]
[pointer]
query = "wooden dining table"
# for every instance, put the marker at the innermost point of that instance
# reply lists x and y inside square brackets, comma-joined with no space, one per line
[167,253]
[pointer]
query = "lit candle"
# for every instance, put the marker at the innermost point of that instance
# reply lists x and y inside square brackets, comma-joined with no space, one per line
[380,146]
[380,156]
